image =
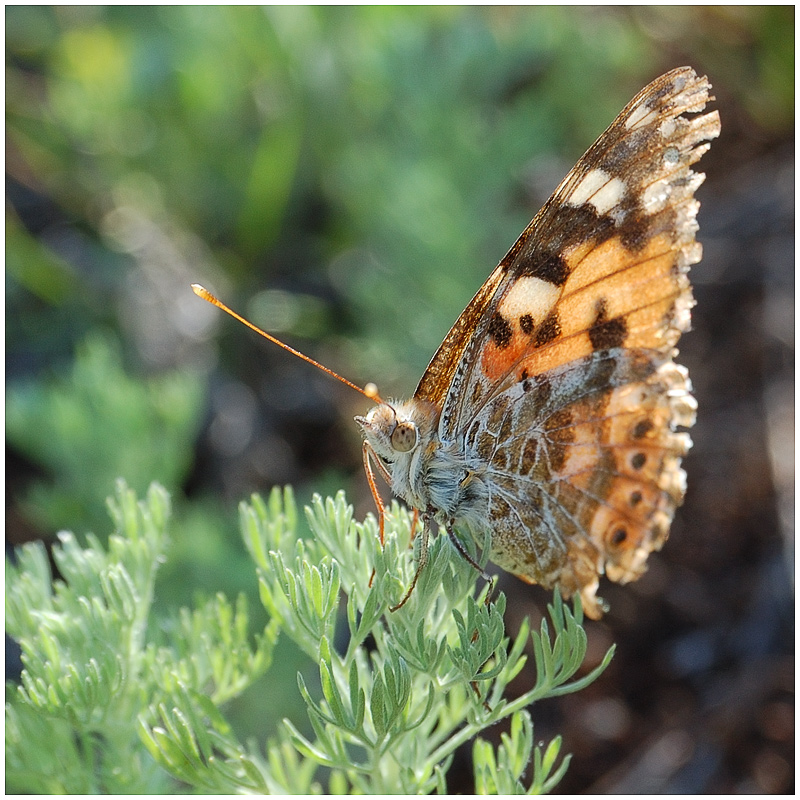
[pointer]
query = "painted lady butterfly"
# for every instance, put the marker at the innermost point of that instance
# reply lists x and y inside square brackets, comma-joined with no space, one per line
[547,415]
[548,412]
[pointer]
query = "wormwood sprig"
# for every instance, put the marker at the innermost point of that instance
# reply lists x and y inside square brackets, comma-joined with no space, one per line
[99,676]
[126,706]
[390,718]
[502,772]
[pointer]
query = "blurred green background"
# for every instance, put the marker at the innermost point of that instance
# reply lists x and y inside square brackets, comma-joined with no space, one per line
[347,177]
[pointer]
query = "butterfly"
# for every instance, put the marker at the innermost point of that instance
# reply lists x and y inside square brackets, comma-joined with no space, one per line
[547,416]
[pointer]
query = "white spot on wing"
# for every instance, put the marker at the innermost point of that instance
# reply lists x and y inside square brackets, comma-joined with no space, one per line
[609,196]
[640,116]
[598,189]
[655,196]
[529,296]
[587,186]
[668,127]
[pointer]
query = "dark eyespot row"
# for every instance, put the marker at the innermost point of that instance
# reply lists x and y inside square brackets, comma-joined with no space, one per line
[619,536]
[642,428]
[638,460]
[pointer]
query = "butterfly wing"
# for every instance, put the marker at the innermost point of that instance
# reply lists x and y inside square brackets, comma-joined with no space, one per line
[559,376]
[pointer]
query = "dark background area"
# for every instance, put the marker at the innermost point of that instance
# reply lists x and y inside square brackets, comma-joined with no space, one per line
[347,177]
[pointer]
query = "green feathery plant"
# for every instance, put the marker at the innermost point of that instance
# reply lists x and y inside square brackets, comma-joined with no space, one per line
[107,704]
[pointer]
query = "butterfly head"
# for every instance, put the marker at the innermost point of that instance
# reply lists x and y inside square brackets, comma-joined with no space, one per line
[390,431]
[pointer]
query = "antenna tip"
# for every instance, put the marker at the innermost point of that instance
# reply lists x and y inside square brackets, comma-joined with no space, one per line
[371,391]
[201,291]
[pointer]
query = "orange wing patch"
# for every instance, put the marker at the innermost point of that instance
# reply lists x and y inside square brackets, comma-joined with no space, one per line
[610,299]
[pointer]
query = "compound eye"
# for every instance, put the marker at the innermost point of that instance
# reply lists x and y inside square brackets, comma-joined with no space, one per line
[404,437]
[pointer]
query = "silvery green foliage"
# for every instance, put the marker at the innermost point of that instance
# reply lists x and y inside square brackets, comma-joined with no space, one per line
[433,676]
[98,678]
[125,709]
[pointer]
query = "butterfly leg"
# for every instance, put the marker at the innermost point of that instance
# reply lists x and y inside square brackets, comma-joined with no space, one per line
[490,580]
[366,452]
[423,560]
[470,560]
[414,521]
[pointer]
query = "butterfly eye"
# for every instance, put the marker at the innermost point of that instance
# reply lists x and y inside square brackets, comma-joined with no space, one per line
[404,437]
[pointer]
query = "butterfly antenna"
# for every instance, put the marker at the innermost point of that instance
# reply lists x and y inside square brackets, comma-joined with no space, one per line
[370,391]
